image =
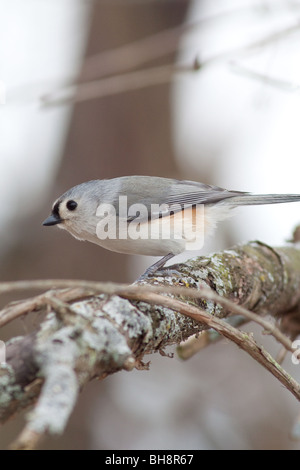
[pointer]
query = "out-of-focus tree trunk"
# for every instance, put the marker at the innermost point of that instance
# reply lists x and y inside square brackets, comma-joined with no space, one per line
[118,135]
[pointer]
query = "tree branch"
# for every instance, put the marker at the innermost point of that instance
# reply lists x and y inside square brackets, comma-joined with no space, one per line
[121,81]
[80,340]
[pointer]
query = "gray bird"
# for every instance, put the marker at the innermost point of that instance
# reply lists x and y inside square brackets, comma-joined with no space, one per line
[149,215]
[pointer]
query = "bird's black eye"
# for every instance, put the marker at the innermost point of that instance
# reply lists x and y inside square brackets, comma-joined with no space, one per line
[71,205]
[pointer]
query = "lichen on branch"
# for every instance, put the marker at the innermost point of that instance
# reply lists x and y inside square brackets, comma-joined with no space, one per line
[95,329]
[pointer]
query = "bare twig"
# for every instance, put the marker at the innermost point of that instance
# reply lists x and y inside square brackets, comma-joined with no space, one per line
[137,53]
[144,50]
[133,292]
[152,76]
[17,309]
[196,343]
[117,84]
[242,339]
[104,334]
[27,440]
[278,83]
[61,376]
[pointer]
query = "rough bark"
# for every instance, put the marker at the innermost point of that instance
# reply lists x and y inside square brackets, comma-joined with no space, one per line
[106,333]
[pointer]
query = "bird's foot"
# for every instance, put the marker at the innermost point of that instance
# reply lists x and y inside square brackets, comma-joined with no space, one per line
[156,268]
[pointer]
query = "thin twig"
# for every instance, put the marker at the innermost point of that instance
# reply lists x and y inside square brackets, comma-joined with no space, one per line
[117,84]
[195,344]
[139,292]
[60,356]
[151,76]
[17,309]
[242,339]
[155,46]
[278,83]
[27,440]
[137,53]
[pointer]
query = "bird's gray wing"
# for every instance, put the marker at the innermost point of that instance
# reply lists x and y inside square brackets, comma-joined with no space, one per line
[168,195]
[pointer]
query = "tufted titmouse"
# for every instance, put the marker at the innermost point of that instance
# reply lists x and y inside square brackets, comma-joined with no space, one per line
[149,215]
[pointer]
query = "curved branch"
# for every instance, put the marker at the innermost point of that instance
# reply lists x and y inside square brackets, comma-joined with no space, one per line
[83,339]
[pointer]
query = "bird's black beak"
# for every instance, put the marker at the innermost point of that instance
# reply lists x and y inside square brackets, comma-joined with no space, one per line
[52,220]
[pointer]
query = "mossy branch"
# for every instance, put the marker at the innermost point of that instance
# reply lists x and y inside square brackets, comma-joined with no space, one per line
[86,335]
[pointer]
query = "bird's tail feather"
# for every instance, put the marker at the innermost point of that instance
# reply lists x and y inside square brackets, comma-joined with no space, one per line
[257,199]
